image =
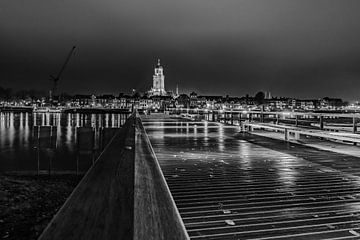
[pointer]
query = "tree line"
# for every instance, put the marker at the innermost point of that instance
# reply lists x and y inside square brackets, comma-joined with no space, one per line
[11,94]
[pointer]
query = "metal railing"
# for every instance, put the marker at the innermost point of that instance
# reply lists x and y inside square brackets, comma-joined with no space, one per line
[324,121]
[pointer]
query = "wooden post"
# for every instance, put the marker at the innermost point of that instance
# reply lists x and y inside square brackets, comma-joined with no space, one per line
[77,163]
[296,120]
[50,163]
[286,135]
[50,149]
[85,137]
[232,118]
[321,122]
[77,151]
[101,138]
[38,159]
[354,125]
[36,135]
[277,119]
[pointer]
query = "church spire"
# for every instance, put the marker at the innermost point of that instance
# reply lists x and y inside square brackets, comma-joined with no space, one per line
[158,81]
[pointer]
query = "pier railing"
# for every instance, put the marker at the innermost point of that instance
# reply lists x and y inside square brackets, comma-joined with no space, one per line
[124,195]
[347,122]
[156,215]
[341,127]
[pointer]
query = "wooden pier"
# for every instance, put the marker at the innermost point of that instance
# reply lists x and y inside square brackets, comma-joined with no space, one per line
[231,185]
[123,196]
[164,177]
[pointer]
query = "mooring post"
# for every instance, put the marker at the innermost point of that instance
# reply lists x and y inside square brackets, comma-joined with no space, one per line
[37,137]
[38,160]
[321,122]
[354,125]
[93,156]
[50,150]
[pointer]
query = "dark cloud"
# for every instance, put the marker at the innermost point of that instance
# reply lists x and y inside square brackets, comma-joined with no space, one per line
[293,48]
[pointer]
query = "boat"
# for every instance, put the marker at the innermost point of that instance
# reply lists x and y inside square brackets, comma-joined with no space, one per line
[47,110]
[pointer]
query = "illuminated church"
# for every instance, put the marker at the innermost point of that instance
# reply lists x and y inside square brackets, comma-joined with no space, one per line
[158,88]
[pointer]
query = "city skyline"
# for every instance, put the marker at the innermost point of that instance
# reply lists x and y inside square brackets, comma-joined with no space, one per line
[302,49]
[179,120]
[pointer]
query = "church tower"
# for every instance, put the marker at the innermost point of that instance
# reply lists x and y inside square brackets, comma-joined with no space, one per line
[158,88]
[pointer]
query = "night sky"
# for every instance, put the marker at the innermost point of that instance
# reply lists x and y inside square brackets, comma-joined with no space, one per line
[298,48]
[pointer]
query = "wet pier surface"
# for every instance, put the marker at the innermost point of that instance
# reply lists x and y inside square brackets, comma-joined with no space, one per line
[228,185]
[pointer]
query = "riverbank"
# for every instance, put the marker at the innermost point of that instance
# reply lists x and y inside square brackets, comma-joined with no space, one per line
[28,202]
[97,110]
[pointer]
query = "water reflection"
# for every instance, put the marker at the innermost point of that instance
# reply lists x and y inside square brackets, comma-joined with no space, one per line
[17,136]
[11,132]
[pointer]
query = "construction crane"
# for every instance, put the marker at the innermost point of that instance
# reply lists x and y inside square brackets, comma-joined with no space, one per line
[57,78]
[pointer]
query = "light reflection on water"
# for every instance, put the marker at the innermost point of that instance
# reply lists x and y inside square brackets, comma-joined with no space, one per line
[17,141]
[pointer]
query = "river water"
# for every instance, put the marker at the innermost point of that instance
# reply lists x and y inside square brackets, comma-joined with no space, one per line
[18,142]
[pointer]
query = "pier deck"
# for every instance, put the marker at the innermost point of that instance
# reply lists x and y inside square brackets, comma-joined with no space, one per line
[228,185]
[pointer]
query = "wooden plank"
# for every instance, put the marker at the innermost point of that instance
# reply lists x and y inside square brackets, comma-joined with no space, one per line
[156,215]
[253,187]
[101,206]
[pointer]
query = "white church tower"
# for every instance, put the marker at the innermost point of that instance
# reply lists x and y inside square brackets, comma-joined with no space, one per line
[158,88]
